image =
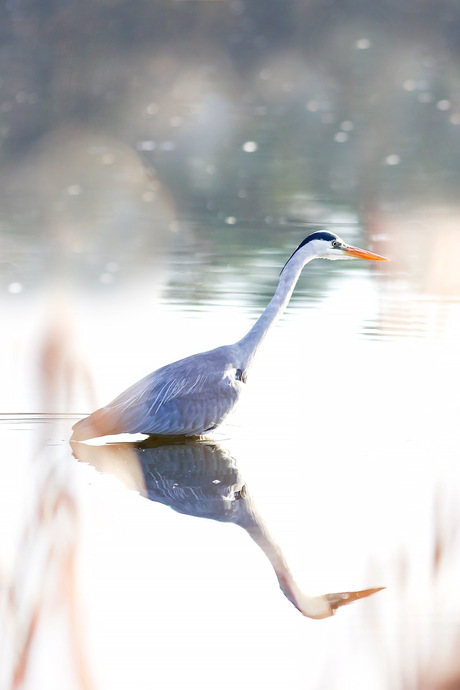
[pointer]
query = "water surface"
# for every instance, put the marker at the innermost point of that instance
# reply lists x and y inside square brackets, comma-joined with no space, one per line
[346,441]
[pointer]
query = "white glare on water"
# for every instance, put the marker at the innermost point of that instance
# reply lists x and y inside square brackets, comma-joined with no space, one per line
[346,443]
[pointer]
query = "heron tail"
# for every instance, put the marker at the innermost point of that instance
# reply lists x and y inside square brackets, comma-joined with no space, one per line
[100,423]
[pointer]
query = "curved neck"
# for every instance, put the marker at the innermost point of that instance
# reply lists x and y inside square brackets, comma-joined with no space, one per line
[288,280]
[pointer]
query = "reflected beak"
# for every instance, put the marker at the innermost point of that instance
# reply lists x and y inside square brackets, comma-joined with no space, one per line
[362,254]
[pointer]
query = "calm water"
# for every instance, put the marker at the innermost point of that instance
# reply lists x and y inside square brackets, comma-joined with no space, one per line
[344,453]
[158,164]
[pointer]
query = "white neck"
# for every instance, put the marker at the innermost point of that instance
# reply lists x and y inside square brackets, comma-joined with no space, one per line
[288,280]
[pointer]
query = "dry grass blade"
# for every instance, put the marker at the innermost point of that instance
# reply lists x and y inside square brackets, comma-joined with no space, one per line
[42,592]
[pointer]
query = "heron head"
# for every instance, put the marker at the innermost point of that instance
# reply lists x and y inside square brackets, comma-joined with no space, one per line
[326,245]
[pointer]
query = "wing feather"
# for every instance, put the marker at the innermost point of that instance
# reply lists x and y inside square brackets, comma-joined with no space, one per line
[188,396]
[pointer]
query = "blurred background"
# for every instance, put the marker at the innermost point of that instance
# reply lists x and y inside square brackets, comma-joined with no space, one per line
[128,128]
[155,146]
[159,161]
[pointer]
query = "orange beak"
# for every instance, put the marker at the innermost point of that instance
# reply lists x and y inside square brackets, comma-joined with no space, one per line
[362,254]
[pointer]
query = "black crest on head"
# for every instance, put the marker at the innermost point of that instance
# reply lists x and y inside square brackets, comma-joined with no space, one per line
[318,235]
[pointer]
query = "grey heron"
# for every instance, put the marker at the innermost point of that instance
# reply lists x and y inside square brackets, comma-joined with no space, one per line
[194,395]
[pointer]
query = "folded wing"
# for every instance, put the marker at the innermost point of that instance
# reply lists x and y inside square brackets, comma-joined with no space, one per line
[188,397]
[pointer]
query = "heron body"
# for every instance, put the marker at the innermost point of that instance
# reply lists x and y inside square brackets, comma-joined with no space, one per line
[192,396]
[186,398]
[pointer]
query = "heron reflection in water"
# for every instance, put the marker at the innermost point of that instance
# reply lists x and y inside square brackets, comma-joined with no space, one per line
[202,479]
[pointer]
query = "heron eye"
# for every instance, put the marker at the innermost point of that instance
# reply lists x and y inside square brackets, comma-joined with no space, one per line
[335,243]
